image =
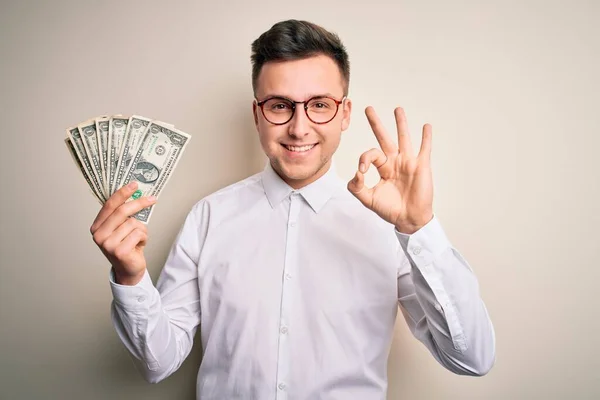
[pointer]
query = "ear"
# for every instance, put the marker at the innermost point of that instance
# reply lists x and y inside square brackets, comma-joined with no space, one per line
[346,111]
[254,113]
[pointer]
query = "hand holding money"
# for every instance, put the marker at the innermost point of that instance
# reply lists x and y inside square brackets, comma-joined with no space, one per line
[122,239]
[126,161]
[114,151]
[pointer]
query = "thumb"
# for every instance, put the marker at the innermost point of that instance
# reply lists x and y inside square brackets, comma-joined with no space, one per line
[357,187]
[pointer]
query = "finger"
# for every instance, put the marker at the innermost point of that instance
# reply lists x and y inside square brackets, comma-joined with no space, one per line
[425,151]
[373,156]
[357,187]
[117,236]
[119,197]
[385,142]
[404,145]
[119,216]
[136,238]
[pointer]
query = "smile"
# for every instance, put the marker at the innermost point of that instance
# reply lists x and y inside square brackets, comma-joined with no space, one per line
[299,149]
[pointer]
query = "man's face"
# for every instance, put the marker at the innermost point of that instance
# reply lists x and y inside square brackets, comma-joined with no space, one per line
[301,80]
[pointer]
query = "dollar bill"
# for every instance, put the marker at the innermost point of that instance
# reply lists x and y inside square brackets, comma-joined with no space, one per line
[74,136]
[135,129]
[73,153]
[158,153]
[117,126]
[111,151]
[102,138]
[89,137]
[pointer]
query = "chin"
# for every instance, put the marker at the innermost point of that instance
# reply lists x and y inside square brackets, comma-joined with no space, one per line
[297,172]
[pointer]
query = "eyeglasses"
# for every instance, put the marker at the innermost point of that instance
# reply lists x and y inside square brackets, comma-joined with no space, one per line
[280,110]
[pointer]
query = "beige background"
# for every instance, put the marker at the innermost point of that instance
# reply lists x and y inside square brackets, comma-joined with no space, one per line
[510,87]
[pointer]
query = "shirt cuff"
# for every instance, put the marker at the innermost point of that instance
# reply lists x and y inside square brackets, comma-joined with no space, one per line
[426,244]
[136,296]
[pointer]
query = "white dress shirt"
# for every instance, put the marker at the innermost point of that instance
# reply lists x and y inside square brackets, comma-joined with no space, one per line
[296,293]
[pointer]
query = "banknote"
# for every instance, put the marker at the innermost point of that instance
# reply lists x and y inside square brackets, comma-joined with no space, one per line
[102,133]
[89,137]
[111,151]
[116,132]
[135,129]
[75,137]
[73,153]
[158,153]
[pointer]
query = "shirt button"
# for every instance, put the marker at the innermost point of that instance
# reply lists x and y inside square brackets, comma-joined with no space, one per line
[141,299]
[288,276]
[281,386]
[283,330]
[292,224]
[438,307]
[416,251]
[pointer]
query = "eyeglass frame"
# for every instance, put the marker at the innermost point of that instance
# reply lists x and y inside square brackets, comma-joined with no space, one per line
[337,102]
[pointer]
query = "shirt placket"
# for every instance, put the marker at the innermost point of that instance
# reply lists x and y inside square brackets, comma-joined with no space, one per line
[289,270]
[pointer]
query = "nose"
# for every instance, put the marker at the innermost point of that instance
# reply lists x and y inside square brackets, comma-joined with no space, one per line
[299,125]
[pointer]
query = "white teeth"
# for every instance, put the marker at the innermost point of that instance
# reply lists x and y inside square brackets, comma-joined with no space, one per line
[299,148]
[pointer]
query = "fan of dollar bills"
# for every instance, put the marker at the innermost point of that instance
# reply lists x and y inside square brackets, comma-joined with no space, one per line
[114,151]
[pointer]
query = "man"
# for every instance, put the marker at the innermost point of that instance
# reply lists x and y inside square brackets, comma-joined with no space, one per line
[294,276]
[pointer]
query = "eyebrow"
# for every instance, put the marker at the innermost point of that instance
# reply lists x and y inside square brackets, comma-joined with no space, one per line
[310,96]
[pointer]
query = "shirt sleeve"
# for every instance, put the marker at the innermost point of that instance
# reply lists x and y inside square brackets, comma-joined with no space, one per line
[439,298]
[157,324]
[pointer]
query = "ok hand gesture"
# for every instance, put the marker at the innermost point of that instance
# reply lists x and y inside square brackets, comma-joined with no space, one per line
[404,194]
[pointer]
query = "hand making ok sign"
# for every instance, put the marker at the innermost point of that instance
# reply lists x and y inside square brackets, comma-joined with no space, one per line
[404,194]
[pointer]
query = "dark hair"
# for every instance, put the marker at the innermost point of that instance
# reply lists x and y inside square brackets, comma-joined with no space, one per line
[295,40]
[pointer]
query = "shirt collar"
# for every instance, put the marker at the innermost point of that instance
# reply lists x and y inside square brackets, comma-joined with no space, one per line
[316,194]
